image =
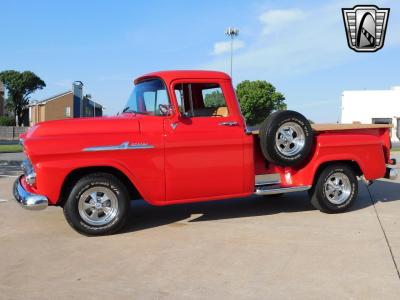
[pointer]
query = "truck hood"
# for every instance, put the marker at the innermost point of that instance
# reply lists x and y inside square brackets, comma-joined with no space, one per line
[72,135]
[87,126]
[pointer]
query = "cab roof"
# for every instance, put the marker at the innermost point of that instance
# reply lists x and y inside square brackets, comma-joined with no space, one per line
[169,76]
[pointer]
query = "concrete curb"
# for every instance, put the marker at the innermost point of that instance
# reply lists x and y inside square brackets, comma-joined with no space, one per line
[8,152]
[10,163]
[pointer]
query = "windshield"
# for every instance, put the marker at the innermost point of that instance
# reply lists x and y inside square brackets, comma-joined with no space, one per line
[146,98]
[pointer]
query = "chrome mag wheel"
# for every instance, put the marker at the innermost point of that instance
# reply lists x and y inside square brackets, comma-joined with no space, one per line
[290,139]
[337,188]
[98,206]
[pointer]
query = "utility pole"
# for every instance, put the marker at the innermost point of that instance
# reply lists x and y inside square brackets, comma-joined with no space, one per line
[232,33]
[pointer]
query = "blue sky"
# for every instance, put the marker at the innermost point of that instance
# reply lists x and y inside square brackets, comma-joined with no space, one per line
[299,46]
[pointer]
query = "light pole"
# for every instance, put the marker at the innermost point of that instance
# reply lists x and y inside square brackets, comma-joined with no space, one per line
[232,33]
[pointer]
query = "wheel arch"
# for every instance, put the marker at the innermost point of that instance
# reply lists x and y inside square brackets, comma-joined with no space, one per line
[76,174]
[350,163]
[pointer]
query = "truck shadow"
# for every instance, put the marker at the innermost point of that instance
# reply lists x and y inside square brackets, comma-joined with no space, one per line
[380,191]
[144,216]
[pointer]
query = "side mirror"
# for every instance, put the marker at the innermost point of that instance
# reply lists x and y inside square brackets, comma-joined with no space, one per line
[166,110]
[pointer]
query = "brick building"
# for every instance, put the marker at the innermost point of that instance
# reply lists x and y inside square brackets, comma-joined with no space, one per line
[69,104]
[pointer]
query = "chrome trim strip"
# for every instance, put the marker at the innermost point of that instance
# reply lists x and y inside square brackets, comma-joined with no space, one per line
[281,190]
[123,146]
[28,200]
[228,124]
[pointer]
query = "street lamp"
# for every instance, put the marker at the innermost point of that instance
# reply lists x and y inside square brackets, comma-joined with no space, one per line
[232,33]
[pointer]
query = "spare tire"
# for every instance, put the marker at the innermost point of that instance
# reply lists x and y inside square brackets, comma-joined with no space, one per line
[286,138]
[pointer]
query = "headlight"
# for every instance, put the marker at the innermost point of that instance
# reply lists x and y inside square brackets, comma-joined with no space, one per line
[29,172]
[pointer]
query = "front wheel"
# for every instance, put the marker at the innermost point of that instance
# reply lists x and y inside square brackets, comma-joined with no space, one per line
[98,204]
[335,190]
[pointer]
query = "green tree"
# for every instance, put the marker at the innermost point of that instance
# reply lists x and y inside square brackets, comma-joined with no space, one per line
[258,99]
[214,99]
[20,85]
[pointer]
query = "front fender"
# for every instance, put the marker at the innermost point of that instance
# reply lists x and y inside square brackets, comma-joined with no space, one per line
[51,175]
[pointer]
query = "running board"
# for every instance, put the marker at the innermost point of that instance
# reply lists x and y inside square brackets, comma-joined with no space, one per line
[272,190]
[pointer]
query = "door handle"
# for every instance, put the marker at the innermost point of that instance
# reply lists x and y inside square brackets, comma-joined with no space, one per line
[228,124]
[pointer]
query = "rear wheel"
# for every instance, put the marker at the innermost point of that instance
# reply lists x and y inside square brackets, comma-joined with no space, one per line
[335,190]
[98,204]
[286,138]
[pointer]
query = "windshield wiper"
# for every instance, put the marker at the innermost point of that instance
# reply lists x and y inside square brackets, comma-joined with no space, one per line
[126,109]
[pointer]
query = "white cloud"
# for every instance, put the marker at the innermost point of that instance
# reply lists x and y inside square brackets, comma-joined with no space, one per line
[223,47]
[308,41]
[298,43]
[276,19]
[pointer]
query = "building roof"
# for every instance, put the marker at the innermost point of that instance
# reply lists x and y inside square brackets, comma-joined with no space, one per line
[55,97]
[96,103]
[180,74]
[44,101]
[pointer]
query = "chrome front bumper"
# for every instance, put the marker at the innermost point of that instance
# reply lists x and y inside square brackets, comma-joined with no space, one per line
[28,200]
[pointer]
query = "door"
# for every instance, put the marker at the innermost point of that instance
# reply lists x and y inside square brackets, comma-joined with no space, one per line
[204,147]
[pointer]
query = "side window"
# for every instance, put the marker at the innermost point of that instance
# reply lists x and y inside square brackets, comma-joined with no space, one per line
[213,97]
[201,100]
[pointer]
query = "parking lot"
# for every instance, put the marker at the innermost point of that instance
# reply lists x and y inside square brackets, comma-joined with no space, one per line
[254,248]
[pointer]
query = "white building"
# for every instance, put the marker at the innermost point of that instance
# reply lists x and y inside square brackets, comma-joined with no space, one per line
[378,107]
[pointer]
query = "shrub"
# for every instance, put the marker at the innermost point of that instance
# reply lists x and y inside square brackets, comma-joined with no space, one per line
[7,121]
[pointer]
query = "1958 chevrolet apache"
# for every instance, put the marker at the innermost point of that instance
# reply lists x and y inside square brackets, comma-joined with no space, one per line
[181,138]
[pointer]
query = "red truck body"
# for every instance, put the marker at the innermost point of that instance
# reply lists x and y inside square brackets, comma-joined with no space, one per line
[178,160]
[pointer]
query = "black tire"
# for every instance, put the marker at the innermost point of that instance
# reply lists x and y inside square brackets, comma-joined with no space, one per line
[272,149]
[118,196]
[327,204]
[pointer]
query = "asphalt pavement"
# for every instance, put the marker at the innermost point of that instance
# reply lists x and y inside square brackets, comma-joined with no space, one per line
[18,156]
[252,248]
[10,163]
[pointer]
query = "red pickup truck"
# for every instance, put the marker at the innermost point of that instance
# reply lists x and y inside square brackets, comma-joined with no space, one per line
[182,138]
